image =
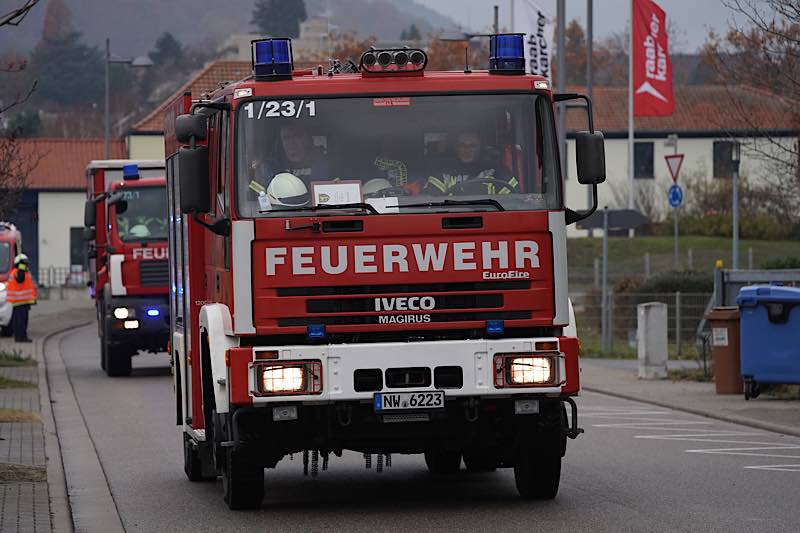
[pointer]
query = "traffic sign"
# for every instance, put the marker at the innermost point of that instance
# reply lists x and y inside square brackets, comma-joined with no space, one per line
[674,163]
[675,196]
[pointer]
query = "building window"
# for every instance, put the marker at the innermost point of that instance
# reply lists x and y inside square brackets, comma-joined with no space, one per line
[77,248]
[643,160]
[722,159]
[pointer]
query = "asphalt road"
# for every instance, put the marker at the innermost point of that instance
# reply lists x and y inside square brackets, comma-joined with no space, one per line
[637,468]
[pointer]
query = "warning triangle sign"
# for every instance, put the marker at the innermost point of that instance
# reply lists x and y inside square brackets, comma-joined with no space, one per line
[674,163]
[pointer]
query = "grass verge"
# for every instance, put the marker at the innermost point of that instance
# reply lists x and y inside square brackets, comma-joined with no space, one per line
[689,374]
[18,415]
[10,383]
[15,357]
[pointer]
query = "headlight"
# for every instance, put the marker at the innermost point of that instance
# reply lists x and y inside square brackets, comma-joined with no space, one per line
[291,377]
[527,370]
[131,324]
[121,313]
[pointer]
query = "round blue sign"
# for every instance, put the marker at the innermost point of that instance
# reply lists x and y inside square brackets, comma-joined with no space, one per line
[675,196]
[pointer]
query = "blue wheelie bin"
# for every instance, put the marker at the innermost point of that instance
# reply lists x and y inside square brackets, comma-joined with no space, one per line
[770,336]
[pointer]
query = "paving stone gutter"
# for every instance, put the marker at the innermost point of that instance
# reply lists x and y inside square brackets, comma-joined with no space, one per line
[32,485]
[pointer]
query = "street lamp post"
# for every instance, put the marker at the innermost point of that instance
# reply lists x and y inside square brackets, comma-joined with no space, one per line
[735,158]
[139,62]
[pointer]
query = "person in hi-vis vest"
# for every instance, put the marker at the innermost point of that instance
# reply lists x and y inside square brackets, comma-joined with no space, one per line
[21,294]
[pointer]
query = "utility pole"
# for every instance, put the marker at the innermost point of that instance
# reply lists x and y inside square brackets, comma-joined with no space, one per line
[589,76]
[561,80]
[496,20]
[735,158]
[106,116]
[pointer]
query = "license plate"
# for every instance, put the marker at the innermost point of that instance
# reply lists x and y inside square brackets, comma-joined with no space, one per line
[394,401]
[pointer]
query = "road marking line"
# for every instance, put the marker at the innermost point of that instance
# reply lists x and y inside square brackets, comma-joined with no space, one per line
[776,468]
[745,454]
[748,449]
[627,413]
[767,445]
[709,434]
[636,425]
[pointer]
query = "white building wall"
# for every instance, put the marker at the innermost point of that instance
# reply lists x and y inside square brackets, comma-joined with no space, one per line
[698,163]
[146,146]
[58,212]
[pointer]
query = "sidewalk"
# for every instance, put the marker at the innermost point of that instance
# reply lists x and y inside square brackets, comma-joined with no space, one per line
[27,462]
[620,378]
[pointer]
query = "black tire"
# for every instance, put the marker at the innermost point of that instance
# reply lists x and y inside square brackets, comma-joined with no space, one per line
[480,461]
[443,462]
[537,474]
[192,464]
[6,331]
[242,481]
[117,358]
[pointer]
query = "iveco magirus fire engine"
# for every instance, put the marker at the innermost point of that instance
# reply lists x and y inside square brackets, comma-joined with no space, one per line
[10,247]
[373,259]
[126,230]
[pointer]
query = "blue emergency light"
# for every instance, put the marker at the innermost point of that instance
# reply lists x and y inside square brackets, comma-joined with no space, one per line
[130,172]
[272,59]
[153,312]
[315,331]
[495,328]
[507,53]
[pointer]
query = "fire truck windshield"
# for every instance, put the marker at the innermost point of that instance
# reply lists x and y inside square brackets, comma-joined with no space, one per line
[5,257]
[397,151]
[142,216]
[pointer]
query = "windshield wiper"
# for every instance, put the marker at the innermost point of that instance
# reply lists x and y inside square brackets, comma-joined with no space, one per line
[447,203]
[355,205]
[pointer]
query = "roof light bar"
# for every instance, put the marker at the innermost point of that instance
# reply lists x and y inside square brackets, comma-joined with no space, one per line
[272,59]
[130,172]
[507,53]
[397,61]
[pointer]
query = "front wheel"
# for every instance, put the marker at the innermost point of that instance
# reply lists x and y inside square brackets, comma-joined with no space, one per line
[537,474]
[192,462]
[242,480]
[443,461]
[116,359]
[6,331]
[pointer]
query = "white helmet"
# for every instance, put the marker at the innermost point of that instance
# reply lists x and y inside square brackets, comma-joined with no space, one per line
[21,258]
[376,185]
[139,230]
[287,190]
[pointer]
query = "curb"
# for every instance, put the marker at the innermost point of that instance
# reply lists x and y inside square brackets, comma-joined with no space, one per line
[90,499]
[744,421]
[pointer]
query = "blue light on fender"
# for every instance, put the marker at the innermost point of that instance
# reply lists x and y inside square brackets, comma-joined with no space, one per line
[130,172]
[495,327]
[316,331]
[152,312]
[272,59]
[507,53]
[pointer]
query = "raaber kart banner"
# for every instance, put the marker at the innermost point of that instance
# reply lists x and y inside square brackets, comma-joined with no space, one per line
[537,25]
[652,68]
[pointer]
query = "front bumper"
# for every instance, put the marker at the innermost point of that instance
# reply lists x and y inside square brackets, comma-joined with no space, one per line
[150,331]
[340,362]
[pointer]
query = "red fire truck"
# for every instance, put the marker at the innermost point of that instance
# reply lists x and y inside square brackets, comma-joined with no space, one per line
[126,232]
[373,259]
[10,247]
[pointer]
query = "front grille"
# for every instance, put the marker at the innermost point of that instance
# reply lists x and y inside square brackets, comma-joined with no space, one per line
[448,377]
[366,305]
[412,377]
[405,318]
[153,273]
[422,288]
[367,379]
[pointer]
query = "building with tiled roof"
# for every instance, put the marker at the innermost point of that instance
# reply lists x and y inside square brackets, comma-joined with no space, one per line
[50,213]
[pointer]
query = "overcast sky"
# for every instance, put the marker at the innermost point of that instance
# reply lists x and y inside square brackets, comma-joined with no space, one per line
[693,17]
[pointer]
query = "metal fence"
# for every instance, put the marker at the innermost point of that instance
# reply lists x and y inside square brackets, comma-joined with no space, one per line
[54,277]
[684,311]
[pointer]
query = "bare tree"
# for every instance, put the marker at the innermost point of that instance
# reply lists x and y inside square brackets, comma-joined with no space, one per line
[16,163]
[760,55]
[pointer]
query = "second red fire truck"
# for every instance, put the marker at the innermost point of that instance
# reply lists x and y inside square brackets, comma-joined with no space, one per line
[10,247]
[126,230]
[373,259]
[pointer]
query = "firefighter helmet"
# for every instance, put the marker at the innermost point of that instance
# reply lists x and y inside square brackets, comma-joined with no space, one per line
[139,231]
[21,258]
[287,190]
[376,185]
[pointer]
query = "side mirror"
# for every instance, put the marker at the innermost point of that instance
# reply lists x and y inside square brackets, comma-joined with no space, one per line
[89,213]
[195,190]
[89,233]
[188,126]
[590,154]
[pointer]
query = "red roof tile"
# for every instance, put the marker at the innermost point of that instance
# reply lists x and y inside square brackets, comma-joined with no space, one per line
[698,108]
[62,163]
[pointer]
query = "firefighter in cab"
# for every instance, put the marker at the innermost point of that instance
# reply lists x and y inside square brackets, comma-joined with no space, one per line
[21,294]
[470,170]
